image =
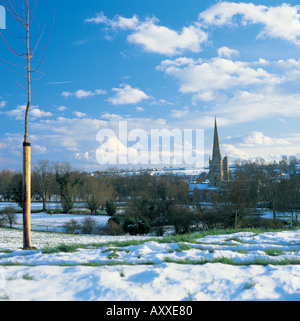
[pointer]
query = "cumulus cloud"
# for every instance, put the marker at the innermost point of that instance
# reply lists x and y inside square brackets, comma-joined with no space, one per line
[140,109]
[125,94]
[234,152]
[62,108]
[153,37]
[34,113]
[3,104]
[256,106]
[277,22]
[39,149]
[206,76]
[2,145]
[259,139]
[83,93]
[226,52]
[71,134]
[79,114]
[179,113]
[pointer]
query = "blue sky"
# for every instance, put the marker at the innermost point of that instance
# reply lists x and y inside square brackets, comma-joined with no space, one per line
[156,64]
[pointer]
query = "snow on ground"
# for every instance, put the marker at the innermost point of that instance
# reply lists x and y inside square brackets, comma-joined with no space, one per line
[55,223]
[217,267]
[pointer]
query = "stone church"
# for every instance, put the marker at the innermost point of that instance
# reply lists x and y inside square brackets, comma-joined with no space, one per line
[218,167]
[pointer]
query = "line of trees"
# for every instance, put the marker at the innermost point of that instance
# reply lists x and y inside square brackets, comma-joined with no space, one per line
[152,203]
[58,182]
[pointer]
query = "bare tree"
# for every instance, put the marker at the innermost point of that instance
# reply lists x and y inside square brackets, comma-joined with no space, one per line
[23,13]
[43,179]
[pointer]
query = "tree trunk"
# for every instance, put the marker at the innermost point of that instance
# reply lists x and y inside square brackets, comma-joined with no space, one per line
[274,209]
[44,204]
[27,151]
[26,194]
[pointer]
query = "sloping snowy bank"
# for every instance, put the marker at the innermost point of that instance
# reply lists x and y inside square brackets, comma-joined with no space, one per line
[239,266]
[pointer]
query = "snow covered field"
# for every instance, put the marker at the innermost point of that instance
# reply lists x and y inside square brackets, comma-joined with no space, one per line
[240,266]
[51,223]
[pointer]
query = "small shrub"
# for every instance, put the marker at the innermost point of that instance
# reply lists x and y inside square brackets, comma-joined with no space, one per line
[72,227]
[135,226]
[130,226]
[88,226]
[8,216]
[110,208]
[183,219]
[113,227]
[263,223]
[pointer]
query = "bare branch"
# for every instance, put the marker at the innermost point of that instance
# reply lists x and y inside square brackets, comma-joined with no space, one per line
[10,48]
[46,45]
[12,70]
[33,13]
[21,86]
[37,43]
[10,63]
[16,13]
[10,12]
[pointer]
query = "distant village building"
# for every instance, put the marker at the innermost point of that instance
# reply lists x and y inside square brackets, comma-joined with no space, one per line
[218,167]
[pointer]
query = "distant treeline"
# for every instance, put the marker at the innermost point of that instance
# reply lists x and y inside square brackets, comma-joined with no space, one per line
[155,202]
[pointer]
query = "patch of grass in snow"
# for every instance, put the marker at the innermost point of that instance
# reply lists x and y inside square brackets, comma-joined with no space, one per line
[27,277]
[15,264]
[250,285]
[6,251]
[113,255]
[5,297]
[185,261]
[230,261]
[279,262]
[92,263]
[183,247]
[273,252]
[242,251]
[235,239]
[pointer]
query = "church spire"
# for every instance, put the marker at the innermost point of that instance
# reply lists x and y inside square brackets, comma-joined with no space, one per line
[216,147]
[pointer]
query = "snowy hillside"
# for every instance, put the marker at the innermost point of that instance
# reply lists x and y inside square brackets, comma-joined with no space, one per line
[240,266]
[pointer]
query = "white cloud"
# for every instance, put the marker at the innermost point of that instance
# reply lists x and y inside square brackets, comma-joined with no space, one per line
[259,139]
[83,93]
[225,52]
[153,37]
[140,109]
[2,145]
[216,74]
[3,104]
[161,102]
[179,113]
[127,95]
[38,113]
[34,113]
[61,108]
[256,106]
[162,40]
[79,114]
[234,152]
[278,22]
[83,156]
[258,145]
[117,22]
[39,149]
[72,134]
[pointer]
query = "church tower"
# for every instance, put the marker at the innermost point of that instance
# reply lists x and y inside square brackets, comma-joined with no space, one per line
[218,168]
[216,164]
